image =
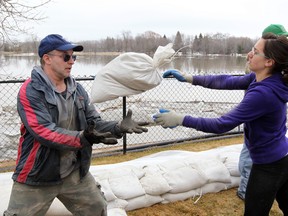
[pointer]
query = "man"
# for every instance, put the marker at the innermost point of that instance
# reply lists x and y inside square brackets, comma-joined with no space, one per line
[59,127]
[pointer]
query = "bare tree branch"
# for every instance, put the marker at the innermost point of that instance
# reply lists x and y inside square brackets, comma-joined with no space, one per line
[15,14]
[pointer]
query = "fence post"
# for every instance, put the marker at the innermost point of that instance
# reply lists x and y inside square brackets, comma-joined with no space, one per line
[124,136]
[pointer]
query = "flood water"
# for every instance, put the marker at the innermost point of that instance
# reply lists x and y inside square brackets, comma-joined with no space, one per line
[21,66]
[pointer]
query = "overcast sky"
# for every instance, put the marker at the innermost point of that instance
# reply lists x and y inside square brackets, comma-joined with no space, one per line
[97,19]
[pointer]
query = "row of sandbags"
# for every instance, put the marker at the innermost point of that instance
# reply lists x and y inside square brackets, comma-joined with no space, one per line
[163,177]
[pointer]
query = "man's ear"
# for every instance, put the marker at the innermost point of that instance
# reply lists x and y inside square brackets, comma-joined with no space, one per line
[46,59]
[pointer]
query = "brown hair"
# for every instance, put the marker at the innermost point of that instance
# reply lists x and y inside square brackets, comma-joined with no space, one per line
[276,48]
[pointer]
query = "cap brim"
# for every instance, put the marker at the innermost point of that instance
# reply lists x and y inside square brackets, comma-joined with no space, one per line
[286,34]
[77,48]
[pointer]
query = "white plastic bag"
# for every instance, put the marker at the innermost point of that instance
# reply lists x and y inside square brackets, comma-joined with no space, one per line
[129,74]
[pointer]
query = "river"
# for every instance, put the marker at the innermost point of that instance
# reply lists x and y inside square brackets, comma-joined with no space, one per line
[89,65]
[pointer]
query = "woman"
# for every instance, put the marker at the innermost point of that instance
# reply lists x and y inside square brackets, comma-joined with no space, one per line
[263,112]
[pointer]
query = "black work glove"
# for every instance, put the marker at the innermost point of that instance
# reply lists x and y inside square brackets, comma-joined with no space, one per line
[94,137]
[128,125]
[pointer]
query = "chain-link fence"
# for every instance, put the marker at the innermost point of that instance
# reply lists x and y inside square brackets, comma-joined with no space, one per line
[170,94]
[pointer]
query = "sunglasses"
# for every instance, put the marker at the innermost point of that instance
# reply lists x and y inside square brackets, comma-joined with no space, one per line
[66,57]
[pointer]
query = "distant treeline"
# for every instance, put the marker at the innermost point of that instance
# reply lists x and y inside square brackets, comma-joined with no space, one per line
[148,42]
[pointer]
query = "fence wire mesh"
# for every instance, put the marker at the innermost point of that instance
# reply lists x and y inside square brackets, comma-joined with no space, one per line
[170,94]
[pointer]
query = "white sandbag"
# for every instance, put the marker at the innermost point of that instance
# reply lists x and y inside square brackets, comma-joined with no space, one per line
[173,197]
[126,187]
[163,155]
[117,203]
[116,212]
[115,172]
[213,187]
[214,170]
[114,208]
[58,209]
[110,178]
[142,201]
[231,160]
[129,74]
[151,169]
[184,179]
[6,184]
[155,184]
[235,181]
[167,165]
[106,189]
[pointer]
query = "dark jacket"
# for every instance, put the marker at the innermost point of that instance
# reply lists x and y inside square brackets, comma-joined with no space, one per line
[38,160]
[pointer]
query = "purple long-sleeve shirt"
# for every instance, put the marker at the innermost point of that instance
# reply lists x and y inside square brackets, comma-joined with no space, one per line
[262,110]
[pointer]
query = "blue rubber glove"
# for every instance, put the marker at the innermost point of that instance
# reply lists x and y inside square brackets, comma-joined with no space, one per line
[168,119]
[180,76]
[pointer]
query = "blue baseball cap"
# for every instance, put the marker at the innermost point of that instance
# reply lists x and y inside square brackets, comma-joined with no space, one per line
[56,42]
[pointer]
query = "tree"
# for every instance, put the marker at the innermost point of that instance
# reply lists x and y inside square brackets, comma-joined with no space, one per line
[178,42]
[197,43]
[127,38]
[13,14]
